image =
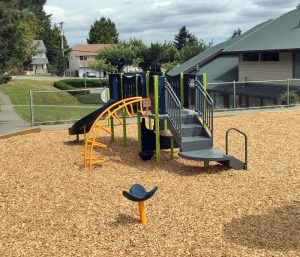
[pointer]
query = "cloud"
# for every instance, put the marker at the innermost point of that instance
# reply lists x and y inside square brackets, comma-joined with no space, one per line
[154,20]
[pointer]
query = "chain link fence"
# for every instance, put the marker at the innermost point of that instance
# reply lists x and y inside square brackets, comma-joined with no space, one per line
[255,94]
[65,106]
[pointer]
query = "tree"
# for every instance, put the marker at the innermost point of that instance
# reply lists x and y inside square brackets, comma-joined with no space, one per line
[103,31]
[192,49]
[14,47]
[118,55]
[236,33]
[183,38]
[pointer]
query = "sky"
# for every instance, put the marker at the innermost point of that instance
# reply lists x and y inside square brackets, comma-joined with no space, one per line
[160,20]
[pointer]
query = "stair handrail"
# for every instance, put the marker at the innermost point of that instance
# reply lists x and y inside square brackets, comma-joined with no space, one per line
[173,108]
[204,106]
[246,144]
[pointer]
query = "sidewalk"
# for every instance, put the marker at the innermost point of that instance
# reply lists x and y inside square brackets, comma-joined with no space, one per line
[9,121]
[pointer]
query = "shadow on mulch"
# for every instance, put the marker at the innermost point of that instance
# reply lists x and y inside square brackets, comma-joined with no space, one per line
[279,230]
[123,219]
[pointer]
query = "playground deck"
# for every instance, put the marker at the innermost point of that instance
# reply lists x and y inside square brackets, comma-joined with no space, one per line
[50,206]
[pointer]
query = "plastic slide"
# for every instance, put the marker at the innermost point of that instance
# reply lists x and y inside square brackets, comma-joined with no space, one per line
[88,120]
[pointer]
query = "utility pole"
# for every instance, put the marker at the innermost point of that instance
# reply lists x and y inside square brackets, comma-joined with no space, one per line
[62,38]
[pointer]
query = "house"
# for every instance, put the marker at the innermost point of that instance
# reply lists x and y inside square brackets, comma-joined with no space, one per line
[268,51]
[38,62]
[82,57]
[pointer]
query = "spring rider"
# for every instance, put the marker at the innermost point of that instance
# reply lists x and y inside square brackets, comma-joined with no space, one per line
[138,193]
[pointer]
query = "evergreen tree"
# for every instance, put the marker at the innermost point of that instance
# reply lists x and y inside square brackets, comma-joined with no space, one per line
[103,31]
[183,38]
[192,49]
[236,33]
[14,47]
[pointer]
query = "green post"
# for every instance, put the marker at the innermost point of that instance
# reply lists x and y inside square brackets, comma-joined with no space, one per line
[148,95]
[181,89]
[165,124]
[139,132]
[163,74]
[136,85]
[112,129]
[206,163]
[172,147]
[124,127]
[157,137]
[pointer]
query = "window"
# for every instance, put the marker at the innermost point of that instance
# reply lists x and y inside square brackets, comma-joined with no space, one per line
[270,57]
[250,57]
[83,58]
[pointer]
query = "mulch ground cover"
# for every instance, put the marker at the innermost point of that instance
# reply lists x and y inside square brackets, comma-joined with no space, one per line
[51,206]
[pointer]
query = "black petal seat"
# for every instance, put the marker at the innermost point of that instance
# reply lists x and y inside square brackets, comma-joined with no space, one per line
[138,193]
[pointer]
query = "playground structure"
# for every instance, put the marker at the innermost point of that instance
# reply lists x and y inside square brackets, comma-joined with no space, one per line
[179,112]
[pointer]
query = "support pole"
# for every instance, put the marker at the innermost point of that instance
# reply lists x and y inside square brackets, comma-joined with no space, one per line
[206,163]
[172,147]
[143,218]
[31,107]
[181,89]
[288,92]
[124,127]
[84,135]
[156,104]
[139,132]
[112,129]
[234,104]
[147,95]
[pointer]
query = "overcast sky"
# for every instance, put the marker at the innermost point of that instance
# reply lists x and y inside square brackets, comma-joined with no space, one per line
[160,20]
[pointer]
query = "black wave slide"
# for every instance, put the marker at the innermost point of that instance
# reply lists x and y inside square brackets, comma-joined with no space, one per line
[88,120]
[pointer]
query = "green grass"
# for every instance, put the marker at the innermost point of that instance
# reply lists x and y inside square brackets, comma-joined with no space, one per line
[18,92]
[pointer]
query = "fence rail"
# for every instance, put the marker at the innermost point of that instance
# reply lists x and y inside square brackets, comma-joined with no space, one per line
[52,107]
[253,94]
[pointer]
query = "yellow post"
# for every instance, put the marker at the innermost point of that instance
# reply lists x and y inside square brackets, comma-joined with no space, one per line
[142,212]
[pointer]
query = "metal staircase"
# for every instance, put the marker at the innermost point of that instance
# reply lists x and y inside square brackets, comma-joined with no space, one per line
[193,129]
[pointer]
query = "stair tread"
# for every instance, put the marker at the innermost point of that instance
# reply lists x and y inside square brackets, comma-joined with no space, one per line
[205,155]
[196,138]
[191,125]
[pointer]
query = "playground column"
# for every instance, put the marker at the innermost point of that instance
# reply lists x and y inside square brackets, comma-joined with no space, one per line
[112,129]
[181,89]
[147,95]
[123,113]
[139,132]
[206,163]
[157,137]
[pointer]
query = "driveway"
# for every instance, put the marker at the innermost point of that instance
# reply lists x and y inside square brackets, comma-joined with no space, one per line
[9,120]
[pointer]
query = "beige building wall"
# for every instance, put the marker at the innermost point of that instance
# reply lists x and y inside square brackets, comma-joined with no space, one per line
[260,70]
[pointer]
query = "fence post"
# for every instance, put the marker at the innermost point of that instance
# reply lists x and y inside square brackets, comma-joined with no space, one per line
[288,92]
[234,104]
[31,107]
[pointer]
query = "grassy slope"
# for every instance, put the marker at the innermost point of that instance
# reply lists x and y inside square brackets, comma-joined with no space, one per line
[18,92]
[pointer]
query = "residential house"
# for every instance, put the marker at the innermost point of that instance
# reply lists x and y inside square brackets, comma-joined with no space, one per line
[82,57]
[267,52]
[38,63]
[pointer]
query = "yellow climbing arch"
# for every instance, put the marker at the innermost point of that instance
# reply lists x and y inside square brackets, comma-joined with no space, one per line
[101,125]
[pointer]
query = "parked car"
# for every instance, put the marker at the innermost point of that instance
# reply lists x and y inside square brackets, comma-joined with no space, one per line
[90,74]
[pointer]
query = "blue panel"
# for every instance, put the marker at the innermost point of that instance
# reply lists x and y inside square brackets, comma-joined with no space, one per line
[161,95]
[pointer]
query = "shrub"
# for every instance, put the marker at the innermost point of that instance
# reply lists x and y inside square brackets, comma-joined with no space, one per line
[293,98]
[80,83]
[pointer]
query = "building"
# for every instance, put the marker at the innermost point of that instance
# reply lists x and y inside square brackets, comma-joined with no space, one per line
[82,57]
[38,63]
[268,51]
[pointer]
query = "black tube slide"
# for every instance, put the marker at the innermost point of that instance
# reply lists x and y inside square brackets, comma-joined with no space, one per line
[88,120]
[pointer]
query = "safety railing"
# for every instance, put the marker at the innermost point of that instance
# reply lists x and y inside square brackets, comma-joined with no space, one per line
[173,108]
[246,144]
[204,106]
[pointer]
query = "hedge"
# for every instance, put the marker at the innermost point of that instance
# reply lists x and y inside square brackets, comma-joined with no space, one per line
[80,83]
[64,86]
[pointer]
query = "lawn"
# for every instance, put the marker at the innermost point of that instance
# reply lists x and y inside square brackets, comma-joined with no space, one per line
[60,106]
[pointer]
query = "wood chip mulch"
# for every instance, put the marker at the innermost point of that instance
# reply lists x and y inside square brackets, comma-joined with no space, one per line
[51,206]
